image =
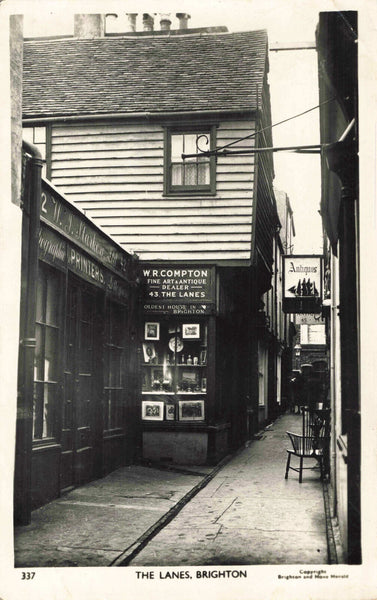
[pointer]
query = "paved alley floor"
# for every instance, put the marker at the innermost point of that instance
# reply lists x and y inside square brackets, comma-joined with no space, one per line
[96,523]
[249,514]
[245,513]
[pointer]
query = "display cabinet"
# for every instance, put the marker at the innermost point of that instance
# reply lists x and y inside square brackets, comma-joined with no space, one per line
[174,370]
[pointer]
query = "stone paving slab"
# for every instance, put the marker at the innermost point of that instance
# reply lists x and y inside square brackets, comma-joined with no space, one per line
[96,523]
[248,547]
[65,557]
[136,481]
[240,512]
[266,515]
[76,525]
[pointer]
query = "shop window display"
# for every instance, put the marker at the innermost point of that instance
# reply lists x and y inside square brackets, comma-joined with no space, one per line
[174,369]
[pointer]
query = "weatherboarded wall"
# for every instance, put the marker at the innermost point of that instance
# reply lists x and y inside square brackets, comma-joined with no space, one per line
[114,171]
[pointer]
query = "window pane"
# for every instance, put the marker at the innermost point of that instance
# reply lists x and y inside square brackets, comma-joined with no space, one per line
[38,411]
[203,173]
[176,147]
[48,410]
[177,174]
[317,334]
[39,135]
[52,305]
[28,134]
[190,143]
[203,143]
[40,314]
[190,170]
[44,408]
[38,354]
[51,352]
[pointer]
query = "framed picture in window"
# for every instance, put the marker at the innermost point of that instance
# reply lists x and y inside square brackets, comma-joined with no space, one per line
[152,411]
[191,330]
[170,412]
[190,377]
[149,352]
[152,331]
[191,410]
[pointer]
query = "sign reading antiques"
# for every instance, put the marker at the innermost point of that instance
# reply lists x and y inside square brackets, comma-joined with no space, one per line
[302,284]
[179,289]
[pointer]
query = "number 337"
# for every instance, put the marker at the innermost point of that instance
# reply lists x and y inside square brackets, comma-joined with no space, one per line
[28,575]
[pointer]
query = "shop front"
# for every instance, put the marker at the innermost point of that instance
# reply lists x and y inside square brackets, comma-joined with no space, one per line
[189,365]
[83,422]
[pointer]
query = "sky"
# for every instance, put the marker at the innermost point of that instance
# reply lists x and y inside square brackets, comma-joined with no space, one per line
[293,78]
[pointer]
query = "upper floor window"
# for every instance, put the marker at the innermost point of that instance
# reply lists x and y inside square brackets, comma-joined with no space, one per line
[38,137]
[313,334]
[196,173]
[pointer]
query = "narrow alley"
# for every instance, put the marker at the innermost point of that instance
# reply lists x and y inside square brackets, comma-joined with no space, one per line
[247,514]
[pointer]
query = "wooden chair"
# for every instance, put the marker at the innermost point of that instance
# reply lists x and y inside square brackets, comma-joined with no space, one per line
[312,443]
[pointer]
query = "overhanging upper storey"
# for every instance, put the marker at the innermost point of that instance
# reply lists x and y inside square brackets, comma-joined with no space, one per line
[119,113]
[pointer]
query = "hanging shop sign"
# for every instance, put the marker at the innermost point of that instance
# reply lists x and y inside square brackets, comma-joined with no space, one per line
[179,289]
[302,283]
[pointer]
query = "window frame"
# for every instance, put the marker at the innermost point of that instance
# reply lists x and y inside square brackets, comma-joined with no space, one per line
[117,348]
[44,147]
[189,190]
[46,273]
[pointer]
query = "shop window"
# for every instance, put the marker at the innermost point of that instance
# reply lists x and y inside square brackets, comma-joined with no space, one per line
[46,367]
[174,385]
[114,367]
[195,174]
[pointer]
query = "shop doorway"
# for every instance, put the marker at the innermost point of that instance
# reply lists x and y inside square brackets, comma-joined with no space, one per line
[82,377]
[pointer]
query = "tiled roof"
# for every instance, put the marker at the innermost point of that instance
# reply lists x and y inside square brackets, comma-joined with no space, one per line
[137,74]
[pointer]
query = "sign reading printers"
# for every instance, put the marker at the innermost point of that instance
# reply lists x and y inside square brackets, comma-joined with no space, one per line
[302,284]
[179,289]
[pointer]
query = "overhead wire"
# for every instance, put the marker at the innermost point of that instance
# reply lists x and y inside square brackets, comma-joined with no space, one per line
[251,135]
[274,125]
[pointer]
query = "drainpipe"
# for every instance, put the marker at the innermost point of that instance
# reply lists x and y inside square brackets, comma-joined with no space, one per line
[333,386]
[29,275]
